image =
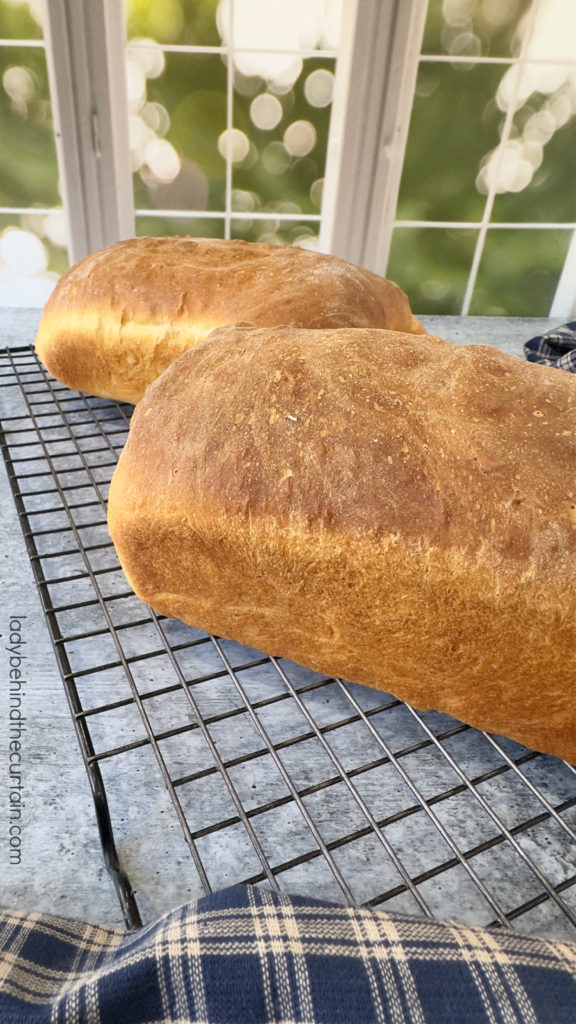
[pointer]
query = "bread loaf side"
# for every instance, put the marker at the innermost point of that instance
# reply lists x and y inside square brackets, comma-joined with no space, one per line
[118,318]
[392,509]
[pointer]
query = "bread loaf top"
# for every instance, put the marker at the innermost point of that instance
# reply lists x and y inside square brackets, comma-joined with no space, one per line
[362,432]
[215,282]
[120,316]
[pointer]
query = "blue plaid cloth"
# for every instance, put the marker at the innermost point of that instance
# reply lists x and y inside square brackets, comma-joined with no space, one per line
[557,348]
[247,954]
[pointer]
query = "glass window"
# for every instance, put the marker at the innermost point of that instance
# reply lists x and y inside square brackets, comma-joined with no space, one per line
[454,124]
[28,169]
[230,106]
[536,181]
[176,120]
[244,142]
[176,22]
[32,227]
[436,279]
[159,227]
[20,20]
[488,28]
[492,144]
[519,272]
[287,133]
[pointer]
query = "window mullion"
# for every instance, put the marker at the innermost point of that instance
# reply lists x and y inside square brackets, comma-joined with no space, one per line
[375,80]
[86,67]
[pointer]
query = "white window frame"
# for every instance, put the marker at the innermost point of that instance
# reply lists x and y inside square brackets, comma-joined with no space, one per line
[374,92]
[376,74]
[85,45]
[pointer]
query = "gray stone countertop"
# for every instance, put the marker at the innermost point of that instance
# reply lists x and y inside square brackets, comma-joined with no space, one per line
[18,327]
[61,869]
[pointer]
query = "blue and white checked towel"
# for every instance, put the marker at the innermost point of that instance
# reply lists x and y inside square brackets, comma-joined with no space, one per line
[247,955]
[557,348]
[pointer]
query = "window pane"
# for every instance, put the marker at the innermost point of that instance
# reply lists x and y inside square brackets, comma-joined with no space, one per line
[536,179]
[28,168]
[519,272]
[200,227]
[276,232]
[485,28]
[432,266]
[286,137]
[177,22]
[177,118]
[20,20]
[454,124]
[32,256]
[275,137]
[551,193]
[33,246]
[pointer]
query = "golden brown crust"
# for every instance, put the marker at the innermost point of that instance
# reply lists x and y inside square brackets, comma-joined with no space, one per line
[395,510]
[118,318]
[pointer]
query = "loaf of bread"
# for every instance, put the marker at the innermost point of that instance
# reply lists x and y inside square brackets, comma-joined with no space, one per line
[395,510]
[118,318]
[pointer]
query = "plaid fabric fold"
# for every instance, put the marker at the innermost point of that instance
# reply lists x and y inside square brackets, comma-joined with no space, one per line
[247,954]
[557,348]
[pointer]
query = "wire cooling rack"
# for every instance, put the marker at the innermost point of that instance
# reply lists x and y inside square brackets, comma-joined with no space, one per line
[277,775]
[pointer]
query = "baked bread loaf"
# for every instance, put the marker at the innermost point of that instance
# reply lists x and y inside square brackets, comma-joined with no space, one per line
[118,318]
[392,509]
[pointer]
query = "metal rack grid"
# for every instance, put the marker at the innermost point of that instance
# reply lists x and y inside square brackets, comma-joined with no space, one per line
[276,774]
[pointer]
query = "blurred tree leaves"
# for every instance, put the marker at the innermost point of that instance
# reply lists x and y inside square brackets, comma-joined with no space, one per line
[519,271]
[197,121]
[181,22]
[28,167]
[432,265]
[17,22]
[452,126]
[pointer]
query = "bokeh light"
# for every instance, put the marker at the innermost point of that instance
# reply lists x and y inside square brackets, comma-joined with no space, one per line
[285,206]
[300,138]
[307,241]
[266,111]
[135,85]
[148,55]
[19,84]
[234,145]
[22,252]
[139,135]
[548,91]
[507,170]
[55,228]
[246,85]
[244,201]
[319,87]
[273,25]
[316,191]
[162,160]
[275,158]
[156,117]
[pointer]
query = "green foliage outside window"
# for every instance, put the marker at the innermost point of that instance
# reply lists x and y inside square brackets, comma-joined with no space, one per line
[180,136]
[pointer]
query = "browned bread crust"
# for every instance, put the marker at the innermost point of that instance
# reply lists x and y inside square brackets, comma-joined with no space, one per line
[118,318]
[395,510]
